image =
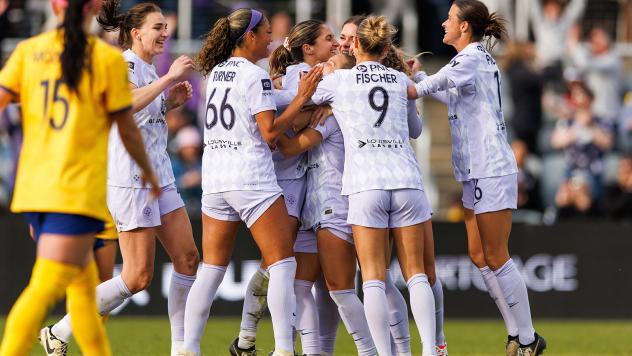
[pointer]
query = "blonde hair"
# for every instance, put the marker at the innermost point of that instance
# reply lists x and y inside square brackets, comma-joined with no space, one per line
[375,34]
[395,59]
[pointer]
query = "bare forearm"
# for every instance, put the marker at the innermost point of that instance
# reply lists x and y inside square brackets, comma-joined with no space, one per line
[284,122]
[143,96]
[133,142]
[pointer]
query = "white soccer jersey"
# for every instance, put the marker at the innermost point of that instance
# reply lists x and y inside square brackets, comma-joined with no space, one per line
[122,169]
[324,177]
[371,106]
[235,155]
[479,137]
[292,167]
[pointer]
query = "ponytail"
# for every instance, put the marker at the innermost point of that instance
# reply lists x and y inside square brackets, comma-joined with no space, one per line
[280,59]
[226,34]
[482,23]
[74,58]
[375,34]
[112,18]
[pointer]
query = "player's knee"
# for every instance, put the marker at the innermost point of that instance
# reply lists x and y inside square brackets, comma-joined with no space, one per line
[188,262]
[478,258]
[495,260]
[140,282]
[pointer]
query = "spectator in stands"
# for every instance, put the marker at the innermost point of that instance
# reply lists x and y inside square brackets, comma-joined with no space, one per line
[176,119]
[528,192]
[551,23]
[625,125]
[574,198]
[280,24]
[583,137]
[616,202]
[600,66]
[187,168]
[525,83]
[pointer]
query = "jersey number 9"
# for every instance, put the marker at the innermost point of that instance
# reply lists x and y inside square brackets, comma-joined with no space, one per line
[382,108]
[56,99]
[228,123]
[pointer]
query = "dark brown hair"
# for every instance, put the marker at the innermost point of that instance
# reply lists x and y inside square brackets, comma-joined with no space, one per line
[112,18]
[395,60]
[74,58]
[225,35]
[482,23]
[356,20]
[303,33]
[375,34]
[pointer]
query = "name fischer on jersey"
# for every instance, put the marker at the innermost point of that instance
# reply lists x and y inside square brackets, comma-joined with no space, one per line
[363,78]
[381,143]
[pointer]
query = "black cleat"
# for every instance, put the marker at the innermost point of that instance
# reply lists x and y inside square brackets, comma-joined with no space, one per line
[535,348]
[234,350]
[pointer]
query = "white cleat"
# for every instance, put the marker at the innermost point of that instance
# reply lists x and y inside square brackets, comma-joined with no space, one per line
[51,344]
[442,350]
[187,353]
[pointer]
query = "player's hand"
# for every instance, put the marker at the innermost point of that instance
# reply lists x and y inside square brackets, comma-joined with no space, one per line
[179,94]
[277,82]
[414,64]
[309,82]
[320,115]
[150,178]
[181,68]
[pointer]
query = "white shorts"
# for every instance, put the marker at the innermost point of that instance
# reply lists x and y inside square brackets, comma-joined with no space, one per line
[339,227]
[389,208]
[306,242]
[132,208]
[294,195]
[491,194]
[236,205]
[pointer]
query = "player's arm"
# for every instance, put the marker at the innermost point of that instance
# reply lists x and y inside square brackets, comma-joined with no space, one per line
[300,143]
[133,142]
[11,78]
[414,120]
[271,128]
[459,72]
[5,98]
[143,96]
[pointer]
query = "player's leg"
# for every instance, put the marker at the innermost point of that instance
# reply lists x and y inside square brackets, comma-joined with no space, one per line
[105,258]
[254,307]
[176,236]
[328,317]
[398,311]
[437,288]
[275,241]
[338,262]
[307,271]
[218,239]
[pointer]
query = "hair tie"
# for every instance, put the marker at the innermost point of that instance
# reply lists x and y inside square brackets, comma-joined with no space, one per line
[286,44]
[255,18]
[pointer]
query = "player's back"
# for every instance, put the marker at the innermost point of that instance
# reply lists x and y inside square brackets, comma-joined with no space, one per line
[63,158]
[235,155]
[371,106]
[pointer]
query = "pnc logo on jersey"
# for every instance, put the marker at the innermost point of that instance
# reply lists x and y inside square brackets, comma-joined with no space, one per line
[361,143]
[130,65]
[362,68]
[266,84]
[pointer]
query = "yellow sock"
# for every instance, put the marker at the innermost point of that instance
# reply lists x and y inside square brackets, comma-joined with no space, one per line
[82,306]
[47,286]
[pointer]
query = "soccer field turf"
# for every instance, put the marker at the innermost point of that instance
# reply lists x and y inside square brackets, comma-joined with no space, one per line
[135,336]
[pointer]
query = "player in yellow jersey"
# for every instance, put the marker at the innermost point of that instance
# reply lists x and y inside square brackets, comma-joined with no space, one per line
[72,86]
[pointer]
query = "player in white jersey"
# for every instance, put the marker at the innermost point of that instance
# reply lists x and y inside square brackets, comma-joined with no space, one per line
[139,217]
[238,178]
[381,178]
[483,161]
[309,43]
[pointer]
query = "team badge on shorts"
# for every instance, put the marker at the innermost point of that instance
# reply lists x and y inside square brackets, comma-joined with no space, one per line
[290,199]
[147,212]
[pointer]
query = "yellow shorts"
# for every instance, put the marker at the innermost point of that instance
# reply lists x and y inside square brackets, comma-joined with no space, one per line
[109,233]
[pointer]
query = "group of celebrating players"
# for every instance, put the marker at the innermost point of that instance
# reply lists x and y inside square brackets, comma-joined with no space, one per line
[312,155]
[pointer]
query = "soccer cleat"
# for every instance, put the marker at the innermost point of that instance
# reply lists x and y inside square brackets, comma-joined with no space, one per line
[282,353]
[186,353]
[533,349]
[511,348]
[442,350]
[234,350]
[52,345]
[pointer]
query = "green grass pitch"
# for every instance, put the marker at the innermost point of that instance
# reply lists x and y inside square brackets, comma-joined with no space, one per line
[137,336]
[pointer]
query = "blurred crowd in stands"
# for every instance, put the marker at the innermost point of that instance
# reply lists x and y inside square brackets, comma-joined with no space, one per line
[568,114]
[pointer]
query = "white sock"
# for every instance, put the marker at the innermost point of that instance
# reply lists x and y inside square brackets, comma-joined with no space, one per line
[176,302]
[110,294]
[352,314]
[376,310]
[397,317]
[307,317]
[423,307]
[328,318]
[491,282]
[282,302]
[199,303]
[255,304]
[515,292]
[437,292]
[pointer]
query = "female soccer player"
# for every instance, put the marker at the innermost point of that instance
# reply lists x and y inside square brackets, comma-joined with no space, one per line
[238,173]
[140,218]
[381,178]
[71,87]
[325,211]
[483,161]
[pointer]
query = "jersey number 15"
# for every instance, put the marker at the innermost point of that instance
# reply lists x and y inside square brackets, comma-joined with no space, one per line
[56,99]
